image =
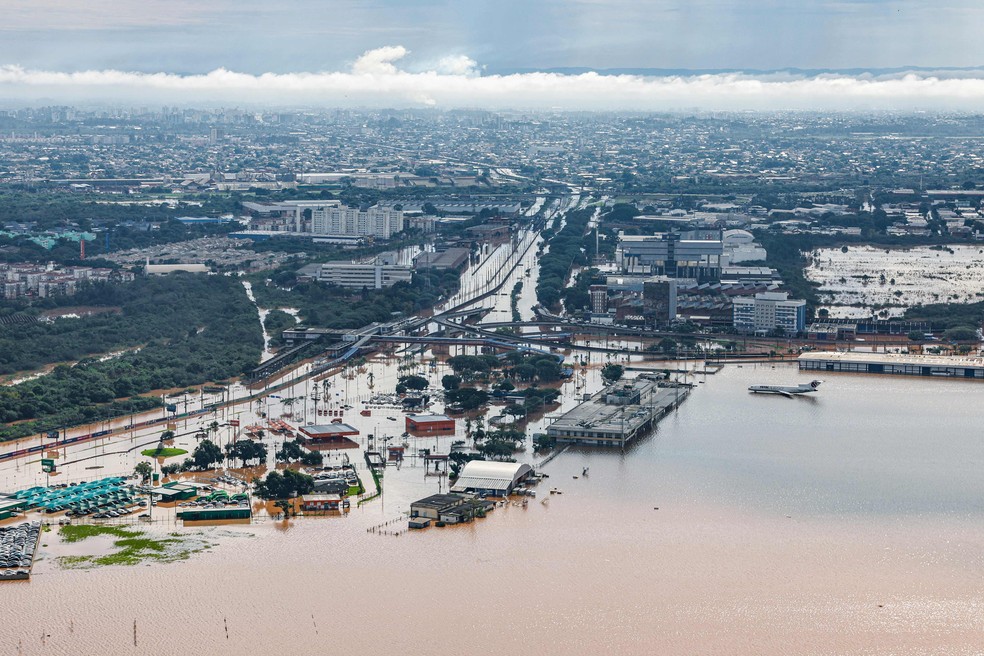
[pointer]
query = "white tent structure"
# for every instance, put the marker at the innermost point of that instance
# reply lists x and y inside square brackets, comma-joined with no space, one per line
[491,478]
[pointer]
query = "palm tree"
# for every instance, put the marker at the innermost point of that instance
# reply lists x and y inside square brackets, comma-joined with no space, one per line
[288,403]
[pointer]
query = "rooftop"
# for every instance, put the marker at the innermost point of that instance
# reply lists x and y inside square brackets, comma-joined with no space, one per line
[894,358]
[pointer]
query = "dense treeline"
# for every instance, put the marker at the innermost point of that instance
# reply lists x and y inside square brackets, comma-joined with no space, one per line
[949,316]
[54,209]
[330,306]
[567,248]
[212,334]
[147,309]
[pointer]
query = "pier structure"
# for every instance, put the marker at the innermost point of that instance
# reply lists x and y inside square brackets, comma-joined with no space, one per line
[619,413]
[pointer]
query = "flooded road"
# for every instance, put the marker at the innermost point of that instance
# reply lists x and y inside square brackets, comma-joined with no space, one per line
[849,522]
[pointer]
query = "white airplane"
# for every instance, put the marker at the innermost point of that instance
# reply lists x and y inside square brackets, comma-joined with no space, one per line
[789,391]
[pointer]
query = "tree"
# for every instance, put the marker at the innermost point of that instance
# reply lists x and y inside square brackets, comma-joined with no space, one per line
[291,451]
[468,398]
[144,470]
[414,382]
[960,334]
[611,372]
[206,454]
[284,485]
[247,451]
[451,382]
[916,335]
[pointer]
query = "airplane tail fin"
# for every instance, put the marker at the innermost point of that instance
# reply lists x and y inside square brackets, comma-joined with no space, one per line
[815,384]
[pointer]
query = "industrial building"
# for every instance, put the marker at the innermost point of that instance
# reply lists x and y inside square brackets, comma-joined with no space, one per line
[429,424]
[450,259]
[767,312]
[894,363]
[491,478]
[695,255]
[357,276]
[617,414]
[242,513]
[450,508]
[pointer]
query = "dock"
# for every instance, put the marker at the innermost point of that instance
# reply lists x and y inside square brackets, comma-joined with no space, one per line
[619,413]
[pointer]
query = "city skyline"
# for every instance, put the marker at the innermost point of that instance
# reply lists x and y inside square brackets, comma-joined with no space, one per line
[502,55]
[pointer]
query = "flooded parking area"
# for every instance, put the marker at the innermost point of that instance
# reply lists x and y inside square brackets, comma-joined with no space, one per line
[867,280]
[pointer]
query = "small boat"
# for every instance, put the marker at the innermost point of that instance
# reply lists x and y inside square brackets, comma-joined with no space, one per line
[366,413]
[336,420]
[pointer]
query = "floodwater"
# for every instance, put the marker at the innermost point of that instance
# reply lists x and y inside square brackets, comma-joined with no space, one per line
[846,522]
[866,278]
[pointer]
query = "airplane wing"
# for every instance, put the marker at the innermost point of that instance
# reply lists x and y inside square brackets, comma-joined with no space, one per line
[786,394]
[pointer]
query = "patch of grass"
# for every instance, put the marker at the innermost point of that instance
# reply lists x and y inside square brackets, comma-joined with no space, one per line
[79,532]
[133,547]
[166,452]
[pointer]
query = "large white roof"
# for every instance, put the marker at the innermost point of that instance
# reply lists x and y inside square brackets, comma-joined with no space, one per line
[490,475]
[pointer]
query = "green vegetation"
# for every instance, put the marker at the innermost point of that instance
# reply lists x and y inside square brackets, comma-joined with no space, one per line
[276,322]
[537,397]
[412,382]
[543,442]
[565,251]
[144,470]
[473,366]
[612,372]
[293,451]
[330,306]
[576,297]
[246,451]
[196,329]
[946,316]
[467,398]
[166,452]
[279,485]
[129,315]
[206,454]
[786,255]
[514,300]
[133,546]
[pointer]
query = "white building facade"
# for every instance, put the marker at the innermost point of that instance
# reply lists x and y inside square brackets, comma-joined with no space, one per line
[357,276]
[768,311]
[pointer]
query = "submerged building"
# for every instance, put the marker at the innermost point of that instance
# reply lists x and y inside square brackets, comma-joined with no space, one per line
[491,478]
[893,363]
[618,414]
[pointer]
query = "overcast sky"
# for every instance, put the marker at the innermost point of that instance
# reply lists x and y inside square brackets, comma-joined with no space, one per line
[435,51]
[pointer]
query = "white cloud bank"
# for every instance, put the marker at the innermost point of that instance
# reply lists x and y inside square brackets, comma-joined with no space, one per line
[455,81]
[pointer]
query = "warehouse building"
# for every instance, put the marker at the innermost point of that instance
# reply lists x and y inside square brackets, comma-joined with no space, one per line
[894,363]
[495,479]
[449,508]
[241,514]
[429,424]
